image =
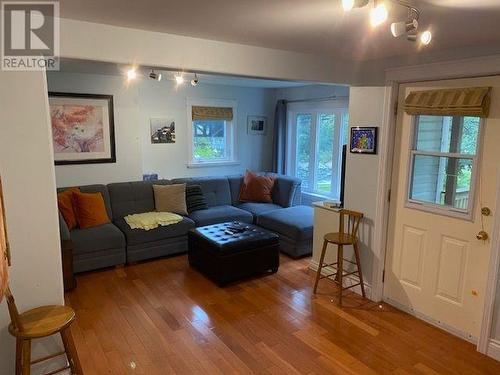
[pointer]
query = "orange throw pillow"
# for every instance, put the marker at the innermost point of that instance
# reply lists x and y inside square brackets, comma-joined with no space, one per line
[256,188]
[90,210]
[65,203]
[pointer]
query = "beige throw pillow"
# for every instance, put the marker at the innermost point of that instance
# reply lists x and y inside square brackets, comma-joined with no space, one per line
[170,198]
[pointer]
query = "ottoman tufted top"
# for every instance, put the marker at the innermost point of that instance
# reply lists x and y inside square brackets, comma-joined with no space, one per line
[222,238]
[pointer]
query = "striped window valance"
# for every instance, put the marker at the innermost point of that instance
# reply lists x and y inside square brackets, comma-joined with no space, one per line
[212,113]
[472,101]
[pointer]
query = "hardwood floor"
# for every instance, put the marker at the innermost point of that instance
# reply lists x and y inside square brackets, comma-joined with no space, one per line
[162,317]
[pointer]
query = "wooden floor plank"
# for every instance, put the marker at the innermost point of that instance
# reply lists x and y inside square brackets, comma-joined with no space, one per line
[162,317]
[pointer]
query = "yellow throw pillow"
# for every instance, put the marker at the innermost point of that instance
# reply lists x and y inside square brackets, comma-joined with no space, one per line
[170,198]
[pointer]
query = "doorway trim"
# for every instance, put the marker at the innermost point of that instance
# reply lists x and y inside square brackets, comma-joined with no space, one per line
[448,70]
[492,279]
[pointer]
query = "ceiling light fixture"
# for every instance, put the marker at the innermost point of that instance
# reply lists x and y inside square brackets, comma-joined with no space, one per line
[179,79]
[404,27]
[426,37]
[378,15]
[131,74]
[195,81]
[349,4]
[155,76]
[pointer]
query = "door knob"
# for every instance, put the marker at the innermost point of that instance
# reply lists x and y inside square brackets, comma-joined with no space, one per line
[482,236]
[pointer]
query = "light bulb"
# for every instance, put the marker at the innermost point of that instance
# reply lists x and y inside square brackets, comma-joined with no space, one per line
[426,37]
[347,5]
[179,79]
[378,15]
[131,74]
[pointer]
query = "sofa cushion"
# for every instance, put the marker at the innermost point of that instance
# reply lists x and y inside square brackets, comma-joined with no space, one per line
[235,182]
[140,236]
[102,237]
[90,209]
[257,209]
[257,188]
[65,202]
[286,191]
[95,189]
[215,189]
[195,200]
[294,222]
[132,197]
[170,198]
[220,214]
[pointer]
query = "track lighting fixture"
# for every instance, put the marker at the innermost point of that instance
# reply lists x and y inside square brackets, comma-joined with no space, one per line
[195,81]
[179,79]
[349,4]
[404,27]
[155,76]
[379,14]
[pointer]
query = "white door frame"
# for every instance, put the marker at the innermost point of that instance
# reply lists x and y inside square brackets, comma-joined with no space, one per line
[493,277]
[482,67]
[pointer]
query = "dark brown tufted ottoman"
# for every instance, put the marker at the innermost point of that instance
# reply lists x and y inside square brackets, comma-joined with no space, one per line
[224,253]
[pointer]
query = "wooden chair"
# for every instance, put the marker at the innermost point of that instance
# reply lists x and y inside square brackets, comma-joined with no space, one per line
[341,239]
[41,322]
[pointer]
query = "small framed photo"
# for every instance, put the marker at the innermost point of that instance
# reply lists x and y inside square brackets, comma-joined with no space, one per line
[257,125]
[364,140]
[162,130]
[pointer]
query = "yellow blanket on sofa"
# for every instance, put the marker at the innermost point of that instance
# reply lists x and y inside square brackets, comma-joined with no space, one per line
[151,220]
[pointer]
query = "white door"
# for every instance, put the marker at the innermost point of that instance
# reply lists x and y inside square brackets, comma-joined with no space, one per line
[436,268]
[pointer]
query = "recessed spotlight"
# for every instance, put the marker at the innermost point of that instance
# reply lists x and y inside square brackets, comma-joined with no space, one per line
[155,76]
[195,81]
[179,79]
[426,37]
[131,74]
[378,15]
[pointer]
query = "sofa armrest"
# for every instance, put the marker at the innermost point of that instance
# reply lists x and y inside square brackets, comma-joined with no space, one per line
[287,191]
[63,229]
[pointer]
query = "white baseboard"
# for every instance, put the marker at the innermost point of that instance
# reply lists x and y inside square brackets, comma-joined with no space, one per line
[493,350]
[349,280]
[445,327]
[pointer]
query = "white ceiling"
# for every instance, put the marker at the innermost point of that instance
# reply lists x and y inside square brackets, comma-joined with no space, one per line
[98,67]
[313,26]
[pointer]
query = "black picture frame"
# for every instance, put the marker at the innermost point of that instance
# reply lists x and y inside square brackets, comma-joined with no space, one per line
[372,136]
[112,144]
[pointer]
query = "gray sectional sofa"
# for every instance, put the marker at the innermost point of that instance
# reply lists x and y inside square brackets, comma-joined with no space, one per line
[116,243]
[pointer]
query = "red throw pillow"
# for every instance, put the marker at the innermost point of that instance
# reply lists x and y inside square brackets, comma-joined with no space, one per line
[257,188]
[65,203]
[90,210]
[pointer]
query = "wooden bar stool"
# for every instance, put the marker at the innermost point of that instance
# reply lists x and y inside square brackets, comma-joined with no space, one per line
[37,323]
[341,239]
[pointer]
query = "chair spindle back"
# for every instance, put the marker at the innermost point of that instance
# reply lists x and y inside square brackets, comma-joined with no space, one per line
[352,223]
[13,312]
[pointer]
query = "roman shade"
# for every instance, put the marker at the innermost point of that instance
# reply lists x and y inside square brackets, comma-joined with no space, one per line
[212,113]
[471,101]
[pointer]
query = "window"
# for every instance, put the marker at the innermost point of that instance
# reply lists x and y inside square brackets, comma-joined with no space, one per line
[315,148]
[443,163]
[212,132]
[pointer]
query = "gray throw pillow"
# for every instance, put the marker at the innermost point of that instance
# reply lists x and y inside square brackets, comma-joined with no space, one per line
[195,200]
[170,198]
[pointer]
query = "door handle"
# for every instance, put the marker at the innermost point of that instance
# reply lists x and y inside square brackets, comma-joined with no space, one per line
[482,236]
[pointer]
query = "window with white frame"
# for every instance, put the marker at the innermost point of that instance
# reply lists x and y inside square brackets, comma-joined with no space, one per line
[212,132]
[317,134]
[443,163]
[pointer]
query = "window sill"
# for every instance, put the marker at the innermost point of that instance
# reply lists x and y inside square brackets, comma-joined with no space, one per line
[321,197]
[206,164]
